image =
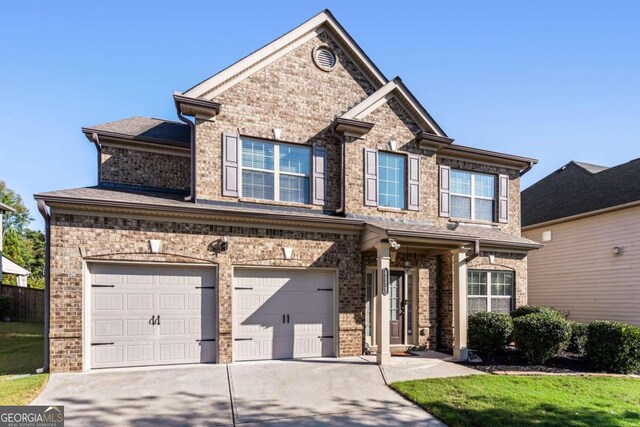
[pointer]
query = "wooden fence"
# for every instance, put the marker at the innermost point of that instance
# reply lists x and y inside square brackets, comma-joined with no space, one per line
[27,304]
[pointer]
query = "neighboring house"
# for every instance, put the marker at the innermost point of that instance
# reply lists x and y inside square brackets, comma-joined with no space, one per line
[21,274]
[260,229]
[588,218]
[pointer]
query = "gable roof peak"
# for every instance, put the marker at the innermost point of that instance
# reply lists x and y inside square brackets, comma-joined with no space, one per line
[254,62]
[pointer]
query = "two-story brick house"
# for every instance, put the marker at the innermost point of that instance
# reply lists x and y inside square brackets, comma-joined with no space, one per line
[258,226]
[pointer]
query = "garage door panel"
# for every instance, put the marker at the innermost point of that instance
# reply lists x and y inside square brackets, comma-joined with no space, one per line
[122,315]
[262,297]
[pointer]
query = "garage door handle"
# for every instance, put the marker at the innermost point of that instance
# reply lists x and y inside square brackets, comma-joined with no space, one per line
[326,289]
[242,288]
[207,340]
[205,287]
[325,336]
[243,339]
[102,343]
[103,286]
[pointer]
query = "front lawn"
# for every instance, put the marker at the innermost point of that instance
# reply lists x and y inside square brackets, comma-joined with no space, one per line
[496,400]
[21,352]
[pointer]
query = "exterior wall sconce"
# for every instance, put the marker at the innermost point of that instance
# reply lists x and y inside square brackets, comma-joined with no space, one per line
[617,250]
[287,252]
[407,265]
[155,246]
[220,245]
[394,255]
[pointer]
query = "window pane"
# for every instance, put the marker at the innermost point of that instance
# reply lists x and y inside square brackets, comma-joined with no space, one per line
[257,155]
[391,180]
[460,182]
[501,305]
[294,189]
[485,185]
[477,283]
[476,305]
[460,207]
[257,185]
[484,210]
[294,159]
[501,283]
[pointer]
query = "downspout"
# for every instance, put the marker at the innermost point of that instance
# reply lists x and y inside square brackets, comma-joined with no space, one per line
[42,207]
[341,138]
[475,253]
[96,141]
[192,134]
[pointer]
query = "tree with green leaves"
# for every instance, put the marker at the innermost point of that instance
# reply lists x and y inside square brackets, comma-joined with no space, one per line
[21,244]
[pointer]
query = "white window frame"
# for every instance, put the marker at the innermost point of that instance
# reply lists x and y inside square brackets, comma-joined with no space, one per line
[405,178]
[489,296]
[473,197]
[276,169]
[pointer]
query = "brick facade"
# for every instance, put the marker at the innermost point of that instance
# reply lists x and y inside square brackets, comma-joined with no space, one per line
[144,168]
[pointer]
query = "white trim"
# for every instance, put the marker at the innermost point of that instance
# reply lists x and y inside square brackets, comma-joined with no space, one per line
[472,197]
[488,296]
[383,95]
[256,61]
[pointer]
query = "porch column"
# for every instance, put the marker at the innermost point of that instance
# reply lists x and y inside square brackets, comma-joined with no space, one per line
[460,350]
[383,356]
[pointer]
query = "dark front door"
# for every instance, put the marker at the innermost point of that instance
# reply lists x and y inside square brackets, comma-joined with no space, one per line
[396,294]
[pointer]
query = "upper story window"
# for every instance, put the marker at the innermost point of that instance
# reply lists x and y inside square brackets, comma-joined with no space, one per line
[391,180]
[273,171]
[473,196]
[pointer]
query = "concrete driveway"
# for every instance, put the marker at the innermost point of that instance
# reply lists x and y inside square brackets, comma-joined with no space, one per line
[312,392]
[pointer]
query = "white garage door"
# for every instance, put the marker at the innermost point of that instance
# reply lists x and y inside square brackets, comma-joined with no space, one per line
[283,314]
[151,315]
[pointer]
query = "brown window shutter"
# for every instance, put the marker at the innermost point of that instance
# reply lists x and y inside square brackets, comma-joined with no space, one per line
[445,189]
[370,177]
[230,164]
[319,175]
[413,182]
[503,198]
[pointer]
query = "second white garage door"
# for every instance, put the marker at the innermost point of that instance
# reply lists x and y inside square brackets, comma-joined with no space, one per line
[283,314]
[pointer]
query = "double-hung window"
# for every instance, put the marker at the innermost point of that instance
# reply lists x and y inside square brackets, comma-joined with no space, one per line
[278,172]
[473,196]
[391,180]
[489,291]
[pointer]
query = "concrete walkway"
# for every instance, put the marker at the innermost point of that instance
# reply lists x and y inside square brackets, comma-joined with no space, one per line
[311,392]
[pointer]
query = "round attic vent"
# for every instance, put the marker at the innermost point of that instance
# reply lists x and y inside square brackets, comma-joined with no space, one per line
[324,58]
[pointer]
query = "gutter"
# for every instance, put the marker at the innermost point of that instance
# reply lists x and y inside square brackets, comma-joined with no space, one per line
[42,207]
[528,168]
[192,140]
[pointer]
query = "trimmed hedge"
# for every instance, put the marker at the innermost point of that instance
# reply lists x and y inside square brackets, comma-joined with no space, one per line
[525,310]
[578,339]
[489,332]
[540,336]
[614,347]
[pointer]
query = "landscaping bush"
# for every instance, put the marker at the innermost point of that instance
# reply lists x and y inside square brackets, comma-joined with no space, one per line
[613,347]
[489,332]
[533,309]
[578,339]
[5,306]
[540,336]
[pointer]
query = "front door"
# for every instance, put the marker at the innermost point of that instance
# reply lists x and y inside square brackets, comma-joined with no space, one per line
[396,294]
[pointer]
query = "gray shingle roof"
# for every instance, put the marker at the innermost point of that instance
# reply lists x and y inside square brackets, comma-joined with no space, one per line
[148,130]
[578,188]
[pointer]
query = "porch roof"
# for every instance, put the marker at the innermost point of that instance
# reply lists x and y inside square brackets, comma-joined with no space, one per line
[454,235]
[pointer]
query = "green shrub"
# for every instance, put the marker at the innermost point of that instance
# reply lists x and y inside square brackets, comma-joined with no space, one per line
[5,306]
[489,332]
[613,347]
[533,309]
[540,336]
[578,339]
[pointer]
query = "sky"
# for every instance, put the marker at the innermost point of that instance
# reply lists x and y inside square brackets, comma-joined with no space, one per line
[552,80]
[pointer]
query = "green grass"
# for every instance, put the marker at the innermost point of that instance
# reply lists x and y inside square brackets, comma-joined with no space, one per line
[492,400]
[21,352]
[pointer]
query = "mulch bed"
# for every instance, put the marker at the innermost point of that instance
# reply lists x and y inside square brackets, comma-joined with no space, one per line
[512,361]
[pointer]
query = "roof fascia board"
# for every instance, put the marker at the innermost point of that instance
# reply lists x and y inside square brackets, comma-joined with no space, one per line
[88,132]
[145,147]
[459,152]
[581,215]
[264,56]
